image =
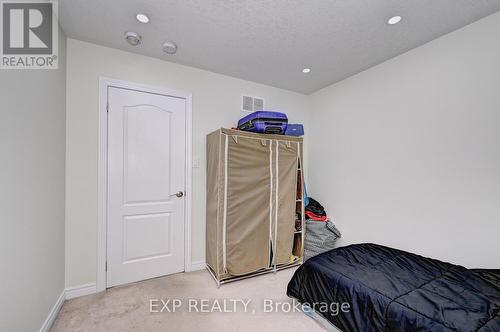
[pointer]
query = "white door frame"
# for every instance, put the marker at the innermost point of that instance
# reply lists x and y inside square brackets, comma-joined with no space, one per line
[104,85]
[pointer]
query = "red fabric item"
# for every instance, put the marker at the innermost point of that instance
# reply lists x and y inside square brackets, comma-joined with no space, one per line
[316,217]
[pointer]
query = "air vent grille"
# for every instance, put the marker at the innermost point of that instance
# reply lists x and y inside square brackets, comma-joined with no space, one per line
[258,104]
[252,104]
[247,104]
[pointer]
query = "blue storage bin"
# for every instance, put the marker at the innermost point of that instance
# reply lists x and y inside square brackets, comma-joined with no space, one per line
[294,129]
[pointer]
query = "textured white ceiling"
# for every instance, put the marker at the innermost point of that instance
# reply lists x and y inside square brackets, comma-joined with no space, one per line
[270,41]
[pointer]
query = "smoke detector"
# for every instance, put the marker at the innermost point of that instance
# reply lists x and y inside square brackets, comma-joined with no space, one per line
[169,47]
[133,38]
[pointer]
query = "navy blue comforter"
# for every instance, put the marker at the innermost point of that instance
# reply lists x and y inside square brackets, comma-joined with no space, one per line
[393,290]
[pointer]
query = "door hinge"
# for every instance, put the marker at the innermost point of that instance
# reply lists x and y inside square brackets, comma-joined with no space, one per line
[107,107]
[106,266]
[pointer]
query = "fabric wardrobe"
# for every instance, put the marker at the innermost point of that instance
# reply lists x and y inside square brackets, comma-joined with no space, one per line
[251,201]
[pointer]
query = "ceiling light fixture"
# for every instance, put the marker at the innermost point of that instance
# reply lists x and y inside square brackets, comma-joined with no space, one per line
[169,47]
[306,70]
[394,20]
[143,18]
[133,38]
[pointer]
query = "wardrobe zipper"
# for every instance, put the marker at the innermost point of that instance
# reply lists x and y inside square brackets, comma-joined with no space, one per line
[224,216]
[270,200]
[277,205]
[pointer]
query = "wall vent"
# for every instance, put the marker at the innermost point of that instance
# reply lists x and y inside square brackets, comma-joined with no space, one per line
[252,104]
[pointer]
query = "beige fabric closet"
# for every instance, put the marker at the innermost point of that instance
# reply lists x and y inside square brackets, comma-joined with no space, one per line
[251,202]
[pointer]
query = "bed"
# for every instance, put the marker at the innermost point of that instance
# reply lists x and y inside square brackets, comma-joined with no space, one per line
[391,290]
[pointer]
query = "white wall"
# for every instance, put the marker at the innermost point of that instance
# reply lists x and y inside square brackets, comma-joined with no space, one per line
[407,153]
[216,103]
[404,154]
[32,139]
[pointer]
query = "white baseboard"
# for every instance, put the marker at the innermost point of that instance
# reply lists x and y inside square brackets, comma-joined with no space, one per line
[53,313]
[82,290]
[68,293]
[87,289]
[199,265]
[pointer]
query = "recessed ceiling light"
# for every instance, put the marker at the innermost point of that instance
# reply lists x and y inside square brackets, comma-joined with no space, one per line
[394,20]
[143,18]
[169,47]
[133,38]
[306,70]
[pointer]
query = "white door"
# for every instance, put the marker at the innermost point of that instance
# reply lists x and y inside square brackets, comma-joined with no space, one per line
[146,168]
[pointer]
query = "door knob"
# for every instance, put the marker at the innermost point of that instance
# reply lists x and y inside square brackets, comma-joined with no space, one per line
[178,194]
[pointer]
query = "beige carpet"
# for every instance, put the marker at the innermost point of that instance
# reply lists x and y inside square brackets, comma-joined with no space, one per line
[127,308]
